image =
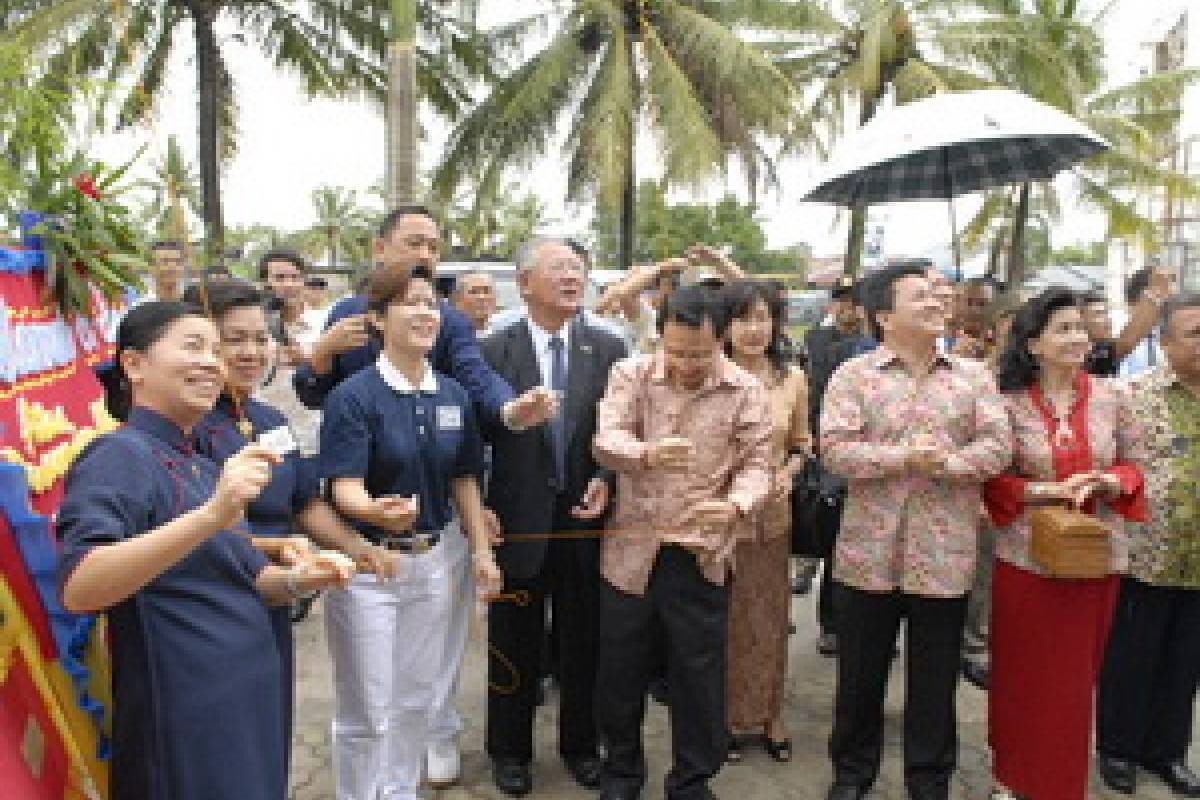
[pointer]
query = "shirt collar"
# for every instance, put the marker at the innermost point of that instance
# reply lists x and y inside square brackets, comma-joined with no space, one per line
[725,373]
[541,336]
[882,356]
[158,426]
[395,379]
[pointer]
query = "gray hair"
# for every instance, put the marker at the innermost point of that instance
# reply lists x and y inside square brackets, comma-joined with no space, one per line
[528,251]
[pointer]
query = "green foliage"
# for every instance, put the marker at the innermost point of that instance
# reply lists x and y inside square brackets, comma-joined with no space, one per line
[88,235]
[334,47]
[1053,52]
[678,68]
[1083,253]
[174,196]
[665,230]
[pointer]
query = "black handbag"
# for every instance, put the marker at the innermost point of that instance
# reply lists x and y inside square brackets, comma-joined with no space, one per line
[818,498]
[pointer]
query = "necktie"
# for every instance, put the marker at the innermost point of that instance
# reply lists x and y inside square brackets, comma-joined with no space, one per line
[558,425]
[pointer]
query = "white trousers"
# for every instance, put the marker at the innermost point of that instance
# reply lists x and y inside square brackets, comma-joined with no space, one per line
[396,648]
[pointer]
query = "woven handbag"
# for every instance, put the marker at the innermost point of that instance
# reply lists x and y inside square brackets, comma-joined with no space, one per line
[1067,543]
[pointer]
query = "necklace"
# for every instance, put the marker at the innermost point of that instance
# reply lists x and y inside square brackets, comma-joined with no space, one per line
[1060,409]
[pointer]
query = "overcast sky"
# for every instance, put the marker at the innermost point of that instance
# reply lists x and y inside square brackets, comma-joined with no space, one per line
[289,145]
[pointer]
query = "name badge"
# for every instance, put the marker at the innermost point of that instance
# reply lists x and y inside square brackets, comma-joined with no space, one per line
[449,418]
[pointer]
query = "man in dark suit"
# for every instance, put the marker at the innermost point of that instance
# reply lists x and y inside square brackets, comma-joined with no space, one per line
[545,485]
[827,347]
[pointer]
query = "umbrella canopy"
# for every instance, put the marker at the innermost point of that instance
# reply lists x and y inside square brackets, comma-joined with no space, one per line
[950,144]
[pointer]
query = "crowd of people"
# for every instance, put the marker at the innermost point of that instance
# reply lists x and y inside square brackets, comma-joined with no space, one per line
[625,488]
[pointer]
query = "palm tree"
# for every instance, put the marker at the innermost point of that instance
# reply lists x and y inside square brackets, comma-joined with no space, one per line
[342,224]
[336,47]
[1062,64]
[678,68]
[175,197]
[876,50]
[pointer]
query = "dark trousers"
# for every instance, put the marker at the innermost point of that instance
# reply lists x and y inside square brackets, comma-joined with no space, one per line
[868,623]
[1151,669]
[692,615]
[517,633]
[825,607]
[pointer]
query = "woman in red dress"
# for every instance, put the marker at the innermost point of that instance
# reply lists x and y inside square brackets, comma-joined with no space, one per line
[1075,441]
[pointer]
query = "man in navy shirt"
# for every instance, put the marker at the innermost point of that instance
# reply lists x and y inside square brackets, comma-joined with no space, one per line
[409,237]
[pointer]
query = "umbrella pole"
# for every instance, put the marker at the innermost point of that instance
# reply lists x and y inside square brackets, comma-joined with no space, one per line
[954,244]
[954,248]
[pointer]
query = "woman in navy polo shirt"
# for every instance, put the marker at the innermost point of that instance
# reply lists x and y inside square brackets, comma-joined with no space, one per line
[147,530]
[290,504]
[402,452]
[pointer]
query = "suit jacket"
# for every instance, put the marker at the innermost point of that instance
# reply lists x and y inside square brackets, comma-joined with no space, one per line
[523,490]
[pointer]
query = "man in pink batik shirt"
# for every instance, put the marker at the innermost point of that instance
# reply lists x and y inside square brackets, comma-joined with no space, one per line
[916,433]
[688,433]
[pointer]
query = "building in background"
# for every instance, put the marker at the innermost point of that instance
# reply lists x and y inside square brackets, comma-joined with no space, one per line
[1175,44]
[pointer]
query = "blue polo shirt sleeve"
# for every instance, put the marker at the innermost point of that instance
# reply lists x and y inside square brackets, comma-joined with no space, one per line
[470,453]
[466,364]
[312,389]
[109,497]
[308,481]
[345,434]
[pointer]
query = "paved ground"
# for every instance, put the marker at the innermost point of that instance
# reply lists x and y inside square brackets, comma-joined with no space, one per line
[809,704]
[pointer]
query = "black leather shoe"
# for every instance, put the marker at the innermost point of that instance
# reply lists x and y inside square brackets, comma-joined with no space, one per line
[1182,780]
[846,791]
[512,777]
[1117,773]
[585,770]
[976,674]
[827,644]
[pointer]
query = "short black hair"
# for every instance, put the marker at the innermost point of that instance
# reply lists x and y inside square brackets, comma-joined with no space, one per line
[879,292]
[281,254]
[739,297]
[1175,304]
[1016,368]
[393,217]
[692,306]
[140,329]
[1092,296]
[1137,284]
[218,296]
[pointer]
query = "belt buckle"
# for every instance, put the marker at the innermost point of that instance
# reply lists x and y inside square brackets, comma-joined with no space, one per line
[420,545]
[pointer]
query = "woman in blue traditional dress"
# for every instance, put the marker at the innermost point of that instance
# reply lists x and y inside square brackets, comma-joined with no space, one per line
[147,535]
[290,504]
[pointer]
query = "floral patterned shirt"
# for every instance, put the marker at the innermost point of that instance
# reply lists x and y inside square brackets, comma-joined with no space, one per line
[1166,551]
[729,424]
[901,529]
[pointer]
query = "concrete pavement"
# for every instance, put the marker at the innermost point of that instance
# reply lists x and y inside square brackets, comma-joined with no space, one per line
[809,705]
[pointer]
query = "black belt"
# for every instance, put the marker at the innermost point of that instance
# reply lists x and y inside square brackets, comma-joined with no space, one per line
[411,542]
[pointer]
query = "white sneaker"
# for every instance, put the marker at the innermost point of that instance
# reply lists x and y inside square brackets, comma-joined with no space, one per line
[441,764]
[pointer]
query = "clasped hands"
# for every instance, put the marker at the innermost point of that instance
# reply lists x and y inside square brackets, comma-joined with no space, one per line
[1077,489]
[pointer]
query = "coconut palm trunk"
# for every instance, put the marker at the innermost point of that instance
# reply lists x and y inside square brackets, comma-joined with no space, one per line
[629,190]
[1016,253]
[858,214]
[208,84]
[401,112]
